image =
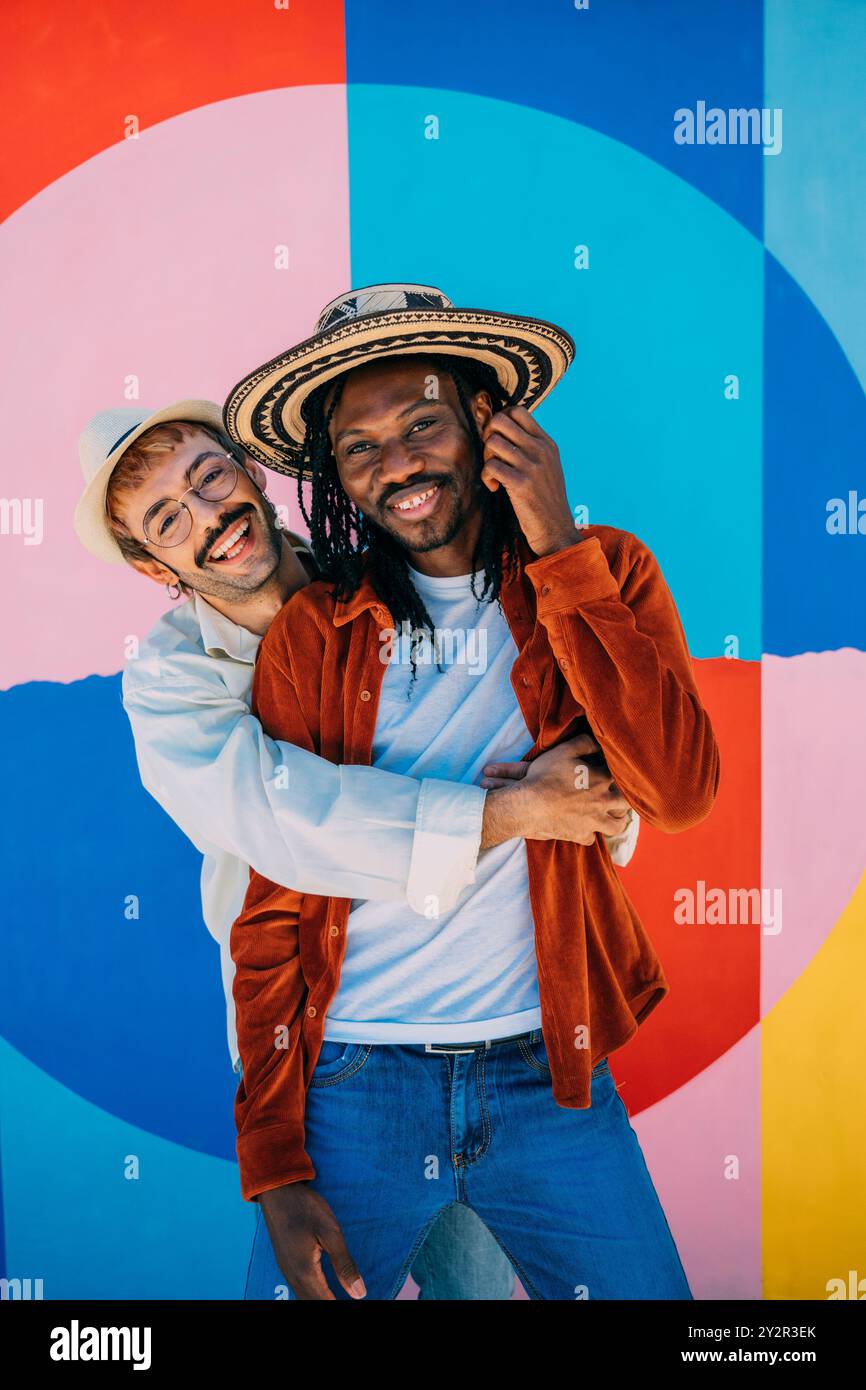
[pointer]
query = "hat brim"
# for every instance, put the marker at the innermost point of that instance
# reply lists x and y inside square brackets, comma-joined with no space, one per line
[263,413]
[91,519]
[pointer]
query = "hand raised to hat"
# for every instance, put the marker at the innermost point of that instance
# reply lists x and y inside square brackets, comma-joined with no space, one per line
[522,457]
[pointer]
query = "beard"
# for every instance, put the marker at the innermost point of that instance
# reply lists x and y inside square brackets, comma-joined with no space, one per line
[210,582]
[429,534]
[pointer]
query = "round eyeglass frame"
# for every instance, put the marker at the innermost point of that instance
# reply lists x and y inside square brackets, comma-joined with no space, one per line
[206,495]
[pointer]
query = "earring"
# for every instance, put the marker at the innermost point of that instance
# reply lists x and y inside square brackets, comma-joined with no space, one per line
[278,525]
[176,594]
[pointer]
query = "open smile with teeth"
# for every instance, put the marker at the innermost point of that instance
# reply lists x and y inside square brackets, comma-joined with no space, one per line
[411,504]
[233,543]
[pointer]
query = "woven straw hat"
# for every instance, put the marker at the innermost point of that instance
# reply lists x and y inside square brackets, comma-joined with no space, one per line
[264,412]
[101,446]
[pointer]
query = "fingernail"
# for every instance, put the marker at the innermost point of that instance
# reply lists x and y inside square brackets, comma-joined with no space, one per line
[358,1289]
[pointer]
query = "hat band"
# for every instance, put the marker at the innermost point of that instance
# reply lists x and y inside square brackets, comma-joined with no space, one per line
[125,435]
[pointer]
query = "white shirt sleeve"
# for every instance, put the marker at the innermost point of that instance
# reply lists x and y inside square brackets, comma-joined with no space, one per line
[622,847]
[305,823]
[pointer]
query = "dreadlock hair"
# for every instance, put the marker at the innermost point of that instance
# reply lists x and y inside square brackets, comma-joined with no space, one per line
[343,539]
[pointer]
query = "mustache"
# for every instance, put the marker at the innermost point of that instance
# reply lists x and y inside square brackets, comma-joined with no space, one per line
[212,538]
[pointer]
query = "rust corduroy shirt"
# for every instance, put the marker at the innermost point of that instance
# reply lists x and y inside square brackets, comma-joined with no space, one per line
[600,647]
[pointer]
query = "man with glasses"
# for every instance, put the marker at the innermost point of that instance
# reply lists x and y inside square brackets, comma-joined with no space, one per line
[169,494]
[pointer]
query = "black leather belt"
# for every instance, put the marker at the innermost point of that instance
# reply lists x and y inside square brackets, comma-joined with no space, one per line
[484,1042]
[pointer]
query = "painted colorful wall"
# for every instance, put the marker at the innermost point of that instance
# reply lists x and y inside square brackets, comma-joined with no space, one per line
[150,265]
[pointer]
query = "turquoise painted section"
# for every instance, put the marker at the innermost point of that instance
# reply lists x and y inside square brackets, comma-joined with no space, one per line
[179,1230]
[815,190]
[672,303]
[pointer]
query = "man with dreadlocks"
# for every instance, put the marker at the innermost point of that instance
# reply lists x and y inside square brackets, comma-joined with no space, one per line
[335,519]
[393,1068]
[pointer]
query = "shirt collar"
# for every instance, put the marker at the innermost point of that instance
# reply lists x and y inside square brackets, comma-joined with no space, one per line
[365,596]
[222,637]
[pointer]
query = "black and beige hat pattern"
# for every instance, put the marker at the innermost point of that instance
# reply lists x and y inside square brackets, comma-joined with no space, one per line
[264,412]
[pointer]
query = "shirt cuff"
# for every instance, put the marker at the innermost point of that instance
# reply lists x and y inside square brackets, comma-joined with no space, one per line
[622,847]
[445,846]
[568,578]
[271,1157]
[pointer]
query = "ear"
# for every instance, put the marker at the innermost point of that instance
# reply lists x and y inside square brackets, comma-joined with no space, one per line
[152,569]
[482,409]
[255,470]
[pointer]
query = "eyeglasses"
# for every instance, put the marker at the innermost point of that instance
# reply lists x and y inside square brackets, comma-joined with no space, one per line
[169,522]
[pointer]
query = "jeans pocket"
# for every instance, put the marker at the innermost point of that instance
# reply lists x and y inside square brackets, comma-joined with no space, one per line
[337,1061]
[534,1052]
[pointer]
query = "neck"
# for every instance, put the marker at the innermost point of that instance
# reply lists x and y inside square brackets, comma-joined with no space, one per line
[454,558]
[256,611]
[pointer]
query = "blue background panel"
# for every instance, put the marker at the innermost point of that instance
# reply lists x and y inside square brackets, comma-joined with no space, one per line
[129,1015]
[623,68]
[815,430]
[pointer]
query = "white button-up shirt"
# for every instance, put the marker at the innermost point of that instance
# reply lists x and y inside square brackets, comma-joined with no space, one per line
[246,799]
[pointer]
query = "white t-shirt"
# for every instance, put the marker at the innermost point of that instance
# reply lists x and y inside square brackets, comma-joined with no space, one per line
[470,973]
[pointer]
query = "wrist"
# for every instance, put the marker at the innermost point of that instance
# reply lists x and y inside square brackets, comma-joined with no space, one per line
[506,814]
[561,540]
[274,1197]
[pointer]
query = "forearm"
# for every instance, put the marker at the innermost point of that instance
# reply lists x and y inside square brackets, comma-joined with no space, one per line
[298,820]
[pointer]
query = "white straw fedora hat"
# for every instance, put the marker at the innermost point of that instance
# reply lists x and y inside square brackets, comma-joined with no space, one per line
[264,412]
[102,444]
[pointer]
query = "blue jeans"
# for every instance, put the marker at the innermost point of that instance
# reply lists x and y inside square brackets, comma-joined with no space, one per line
[398,1136]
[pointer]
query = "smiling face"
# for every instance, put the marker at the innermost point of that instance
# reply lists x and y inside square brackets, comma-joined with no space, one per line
[233,546]
[407,461]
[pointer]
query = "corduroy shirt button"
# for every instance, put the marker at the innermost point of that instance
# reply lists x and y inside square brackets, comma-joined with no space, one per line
[545,588]
[335,930]
[365,695]
[524,680]
[563,663]
[311,1011]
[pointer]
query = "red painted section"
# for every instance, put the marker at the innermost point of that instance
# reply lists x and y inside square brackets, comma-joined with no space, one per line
[713,971]
[72,73]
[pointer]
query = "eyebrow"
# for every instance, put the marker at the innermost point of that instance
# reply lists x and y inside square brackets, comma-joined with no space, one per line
[208,453]
[405,411]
